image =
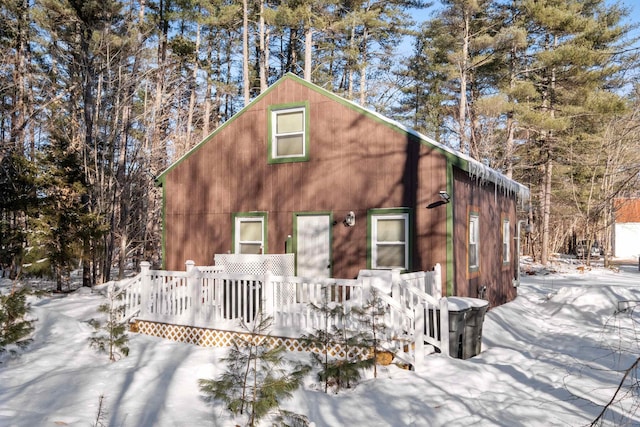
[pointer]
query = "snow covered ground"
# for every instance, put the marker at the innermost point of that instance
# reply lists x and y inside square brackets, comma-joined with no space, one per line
[552,357]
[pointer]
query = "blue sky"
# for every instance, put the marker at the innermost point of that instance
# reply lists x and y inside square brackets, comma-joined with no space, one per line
[421,15]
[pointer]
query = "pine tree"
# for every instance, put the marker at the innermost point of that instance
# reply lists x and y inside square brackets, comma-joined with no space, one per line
[18,202]
[566,97]
[111,337]
[371,317]
[62,217]
[14,328]
[257,376]
[345,367]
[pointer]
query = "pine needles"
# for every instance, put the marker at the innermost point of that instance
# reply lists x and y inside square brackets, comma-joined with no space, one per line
[257,376]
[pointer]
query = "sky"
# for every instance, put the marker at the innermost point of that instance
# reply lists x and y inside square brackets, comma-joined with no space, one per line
[552,357]
[421,15]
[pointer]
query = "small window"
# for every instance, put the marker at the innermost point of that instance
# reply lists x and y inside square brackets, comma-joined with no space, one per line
[288,135]
[506,247]
[390,241]
[474,241]
[249,232]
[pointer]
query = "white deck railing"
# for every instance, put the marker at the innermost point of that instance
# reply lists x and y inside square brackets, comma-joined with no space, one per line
[211,297]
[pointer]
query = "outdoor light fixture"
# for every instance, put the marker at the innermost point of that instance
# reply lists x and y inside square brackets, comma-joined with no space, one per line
[350,219]
[444,199]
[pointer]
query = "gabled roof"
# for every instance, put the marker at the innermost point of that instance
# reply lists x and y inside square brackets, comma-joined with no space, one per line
[474,168]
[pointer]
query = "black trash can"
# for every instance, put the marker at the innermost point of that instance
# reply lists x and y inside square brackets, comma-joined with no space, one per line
[473,327]
[458,311]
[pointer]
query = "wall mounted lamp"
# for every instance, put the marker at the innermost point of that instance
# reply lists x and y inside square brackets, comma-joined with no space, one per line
[444,199]
[350,219]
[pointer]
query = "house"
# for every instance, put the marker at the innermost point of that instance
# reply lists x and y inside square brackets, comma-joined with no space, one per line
[305,171]
[626,228]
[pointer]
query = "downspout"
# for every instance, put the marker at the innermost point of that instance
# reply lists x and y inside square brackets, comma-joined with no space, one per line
[450,262]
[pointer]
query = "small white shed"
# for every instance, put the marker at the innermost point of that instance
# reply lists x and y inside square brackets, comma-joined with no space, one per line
[626,230]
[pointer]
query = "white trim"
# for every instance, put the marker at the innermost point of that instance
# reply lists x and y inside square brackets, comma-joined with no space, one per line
[375,243]
[474,239]
[245,219]
[506,240]
[275,134]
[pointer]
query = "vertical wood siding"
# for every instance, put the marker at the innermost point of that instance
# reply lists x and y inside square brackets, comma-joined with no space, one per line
[493,206]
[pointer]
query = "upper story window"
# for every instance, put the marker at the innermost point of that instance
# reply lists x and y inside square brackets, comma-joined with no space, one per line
[288,134]
[250,233]
[389,233]
[474,241]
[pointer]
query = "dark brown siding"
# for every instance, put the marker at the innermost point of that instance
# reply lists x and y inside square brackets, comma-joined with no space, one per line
[356,163]
[492,205]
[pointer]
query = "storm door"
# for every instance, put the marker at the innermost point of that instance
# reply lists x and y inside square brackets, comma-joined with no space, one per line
[313,245]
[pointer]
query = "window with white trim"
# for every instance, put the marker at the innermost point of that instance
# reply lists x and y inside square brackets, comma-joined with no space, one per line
[249,232]
[288,135]
[474,241]
[506,236]
[390,241]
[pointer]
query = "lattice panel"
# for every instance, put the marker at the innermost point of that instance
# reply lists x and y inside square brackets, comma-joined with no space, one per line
[216,338]
[277,264]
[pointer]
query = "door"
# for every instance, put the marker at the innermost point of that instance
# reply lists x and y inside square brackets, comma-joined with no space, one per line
[313,245]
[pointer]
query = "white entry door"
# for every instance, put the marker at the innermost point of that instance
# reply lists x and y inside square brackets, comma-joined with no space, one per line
[313,256]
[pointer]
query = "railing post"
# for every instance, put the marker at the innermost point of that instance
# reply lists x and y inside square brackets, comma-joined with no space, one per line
[367,288]
[418,355]
[268,291]
[396,291]
[436,290]
[444,326]
[192,290]
[145,288]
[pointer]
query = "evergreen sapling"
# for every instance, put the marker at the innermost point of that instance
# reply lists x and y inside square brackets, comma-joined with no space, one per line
[344,368]
[257,377]
[111,337]
[14,328]
[371,319]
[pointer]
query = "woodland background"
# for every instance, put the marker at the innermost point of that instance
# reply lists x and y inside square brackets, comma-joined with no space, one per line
[97,97]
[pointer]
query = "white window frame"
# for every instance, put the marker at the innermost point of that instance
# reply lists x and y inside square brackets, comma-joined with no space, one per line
[474,241]
[375,243]
[275,135]
[506,241]
[239,220]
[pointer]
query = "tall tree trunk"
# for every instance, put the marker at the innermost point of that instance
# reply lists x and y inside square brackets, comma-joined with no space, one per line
[511,123]
[19,113]
[263,63]
[308,45]
[463,76]
[245,52]
[546,209]
[193,90]
[208,91]
[363,68]
[351,62]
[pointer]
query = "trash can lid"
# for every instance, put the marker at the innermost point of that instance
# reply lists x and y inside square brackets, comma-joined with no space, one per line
[458,304]
[475,302]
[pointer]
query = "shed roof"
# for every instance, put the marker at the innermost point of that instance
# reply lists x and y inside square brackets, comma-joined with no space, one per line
[476,169]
